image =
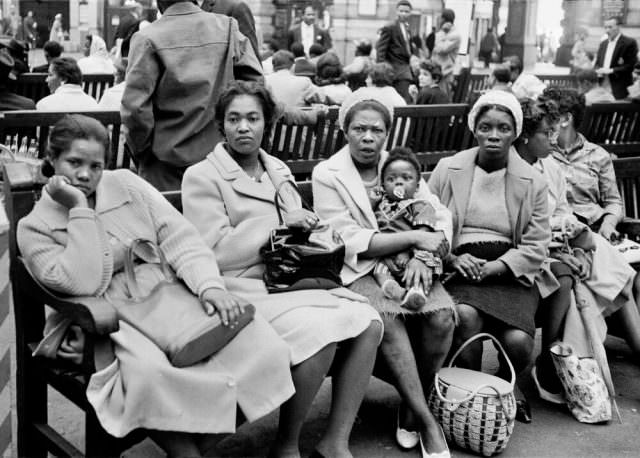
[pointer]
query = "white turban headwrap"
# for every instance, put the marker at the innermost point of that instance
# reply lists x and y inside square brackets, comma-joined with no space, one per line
[502,98]
[360,95]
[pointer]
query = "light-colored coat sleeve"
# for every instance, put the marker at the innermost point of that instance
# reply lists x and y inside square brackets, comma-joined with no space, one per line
[204,203]
[531,250]
[330,204]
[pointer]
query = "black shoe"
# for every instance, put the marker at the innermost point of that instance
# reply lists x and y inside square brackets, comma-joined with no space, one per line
[523,411]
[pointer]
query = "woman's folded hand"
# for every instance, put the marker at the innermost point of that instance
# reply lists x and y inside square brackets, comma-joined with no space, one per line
[435,242]
[227,305]
[468,266]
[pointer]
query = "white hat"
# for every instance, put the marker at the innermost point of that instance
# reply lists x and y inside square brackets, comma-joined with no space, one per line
[502,98]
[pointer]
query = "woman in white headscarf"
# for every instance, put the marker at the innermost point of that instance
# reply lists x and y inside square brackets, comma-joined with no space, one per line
[97,59]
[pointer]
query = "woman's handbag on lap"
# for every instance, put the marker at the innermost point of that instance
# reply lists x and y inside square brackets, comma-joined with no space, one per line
[173,317]
[476,410]
[295,259]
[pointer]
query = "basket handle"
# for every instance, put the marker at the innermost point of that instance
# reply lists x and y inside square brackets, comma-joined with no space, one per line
[498,345]
[129,269]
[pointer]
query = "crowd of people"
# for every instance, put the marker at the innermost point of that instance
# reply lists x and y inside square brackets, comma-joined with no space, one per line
[197,99]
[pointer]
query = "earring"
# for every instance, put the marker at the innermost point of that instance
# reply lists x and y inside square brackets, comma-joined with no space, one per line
[525,140]
[564,123]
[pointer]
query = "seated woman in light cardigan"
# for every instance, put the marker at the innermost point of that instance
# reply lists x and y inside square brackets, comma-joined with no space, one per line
[75,240]
[229,196]
[346,187]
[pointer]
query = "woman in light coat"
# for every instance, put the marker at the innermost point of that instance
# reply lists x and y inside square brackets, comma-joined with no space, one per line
[345,188]
[75,240]
[501,234]
[229,196]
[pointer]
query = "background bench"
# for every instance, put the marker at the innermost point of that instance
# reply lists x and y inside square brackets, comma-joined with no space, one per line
[34,85]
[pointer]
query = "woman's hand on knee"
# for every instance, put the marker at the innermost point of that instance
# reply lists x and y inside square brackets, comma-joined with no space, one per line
[468,266]
[227,305]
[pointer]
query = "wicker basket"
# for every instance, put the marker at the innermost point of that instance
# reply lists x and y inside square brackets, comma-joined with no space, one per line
[476,410]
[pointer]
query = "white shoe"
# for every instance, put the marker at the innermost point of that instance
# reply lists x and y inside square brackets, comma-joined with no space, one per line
[406,439]
[555,398]
[443,454]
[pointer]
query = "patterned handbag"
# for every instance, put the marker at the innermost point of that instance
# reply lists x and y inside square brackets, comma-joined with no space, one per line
[476,410]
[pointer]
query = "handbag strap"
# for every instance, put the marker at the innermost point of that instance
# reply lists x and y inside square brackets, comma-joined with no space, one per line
[277,199]
[484,335]
[129,269]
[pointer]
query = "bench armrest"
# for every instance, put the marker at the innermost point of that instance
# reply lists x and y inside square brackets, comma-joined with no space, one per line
[630,227]
[94,315]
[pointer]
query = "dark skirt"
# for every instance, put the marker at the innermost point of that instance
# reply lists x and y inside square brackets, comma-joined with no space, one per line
[502,298]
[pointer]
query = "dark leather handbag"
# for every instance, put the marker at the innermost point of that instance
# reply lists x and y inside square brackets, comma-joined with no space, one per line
[173,317]
[295,259]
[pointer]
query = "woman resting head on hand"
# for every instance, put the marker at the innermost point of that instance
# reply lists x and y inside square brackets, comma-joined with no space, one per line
[229,197]
[75,240]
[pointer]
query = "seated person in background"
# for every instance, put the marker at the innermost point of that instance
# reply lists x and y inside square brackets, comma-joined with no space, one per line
[64,81]
[430,92]
[19,51]
[301,65]
[75,240]
[398,211]
[96,60]
[379,87]
[589,85]
[358,70]
[315,52]
[634,89]
[332,88]
[52,50]
[269,48]
[287,88]
[8,100]
[112,97]
[500,79]
[525,85]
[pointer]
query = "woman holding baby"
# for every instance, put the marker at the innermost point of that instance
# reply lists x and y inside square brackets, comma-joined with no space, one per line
[392,268]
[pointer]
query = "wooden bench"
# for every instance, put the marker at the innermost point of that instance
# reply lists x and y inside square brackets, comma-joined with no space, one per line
[34,85]
[28,125]
[614,126]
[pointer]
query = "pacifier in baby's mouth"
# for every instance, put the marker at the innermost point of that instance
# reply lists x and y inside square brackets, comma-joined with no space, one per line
[399,192]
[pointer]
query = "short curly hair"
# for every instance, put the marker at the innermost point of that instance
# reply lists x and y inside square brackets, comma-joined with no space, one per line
[329,70]
[235,89]
[433,68]
[401,153]
[568,100]
[535,112]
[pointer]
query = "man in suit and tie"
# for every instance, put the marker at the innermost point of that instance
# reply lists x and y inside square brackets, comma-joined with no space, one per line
[238,10]
[308,33]
[616,57]
[395,47]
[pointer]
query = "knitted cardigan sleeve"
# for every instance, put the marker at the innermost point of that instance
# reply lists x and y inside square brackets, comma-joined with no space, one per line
[82,266]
